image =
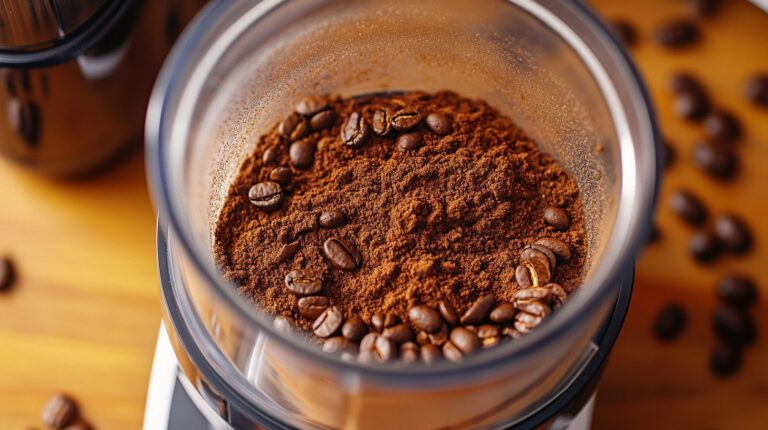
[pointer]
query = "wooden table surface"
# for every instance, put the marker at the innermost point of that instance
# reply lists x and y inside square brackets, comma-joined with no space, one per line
[85,313]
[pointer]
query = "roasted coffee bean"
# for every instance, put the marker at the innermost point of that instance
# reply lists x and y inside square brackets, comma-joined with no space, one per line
[311,105]
[625,31]
[510,332]
[542,294]
[440,337]
[529,250]
[405,119]
[734,326]
[670,322]
[559,295]
[703,8]
[439,124]
[409,141]
[355,131]
[722,126]
[688,207]
[60,411]
[757,90]
[354,329]
[486,330]
[7,274]
[399,333]
[503,313]
[533,307]
[715,160]
[381,122]
[737,291]
[465,340]
[538,265]
[304,282]
[676,33]
[560,248]
[452,352]
[409,352]
[557,217]
[733,233]
[328,323]
[681,82]
[422,338]
[448,312]
[294,127]
[525,322]
[430,353]
[283,324]
[269,156]
[523,276]
[377,347]
[281,175]
[311,307]
[341,254]
[322,120]
[332,219]
[302,154]
[478,312]
[377,321]
[471,328]
[691,106]
[704,246]
[267,196]
[338,345]
[725,360]
[287,251]
[425,318]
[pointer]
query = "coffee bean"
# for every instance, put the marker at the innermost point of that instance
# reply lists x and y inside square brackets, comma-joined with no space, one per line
[734,326]
[538,265]
[267,196]
[559,295]
[691,106]
[381,122]
[523,276]
[439,124]
[341,254]
[479,310]
[704,246]
[332,219]
[322,120]
[681,82]
[355,131]
[338,345]
[725,360]
[560,248]
[737,291]
[409,352]
[557,217]
[440,337]
[354,329]
[448,312]
[425,318]
[405,119]
[384,349]
[311,307]
[399,333]
[311,105]
[287,251]
[377,321]
[452,352]
[422,338]
[465,340]
[304,282]
[525,322]
[503,313]
[409,141]
[669,322]
[302,154]
[532,249]
[757,90]
[430,353]
[542,294]
[676,33]
[510,332]
[60,411]
[625,31]
[269,156]
[471,328]
[722,126]
[703,8]
[7,274]
[281,175]
[715,160]
[486,331]
[533,307]
[294,127]
[284,324]
[688,207]
[532,254]
[328,323]
[733,233]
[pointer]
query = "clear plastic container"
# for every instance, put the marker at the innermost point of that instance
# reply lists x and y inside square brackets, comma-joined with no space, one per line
[550,65]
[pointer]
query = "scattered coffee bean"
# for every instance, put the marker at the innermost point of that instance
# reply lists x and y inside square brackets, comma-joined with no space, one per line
[625,31]
[60,411]
[355,131]
[733,234]
[704,246]
[676,33]
[560,248]
[328,323]
[440,337]
[405,120]
[722,126]
[269,156]
[309,106]
[399,333]
[531,250]
[354,329]
[688,207]
[430,353]
[691,106]
[478,312]
[737,291]
[715,160]
[322,120]
[409,352]
[332,219]
[523,276]
[311,307]
[448,312]
[670,322]
[439,124]
[267,196]
[338,345]
[503,313]
[281,175]
[559,295]
[381,122]
[466,341]
[304,282]
[452,352]
[538,265]
[425,318]
[7,274]
[287,251]
[341,254]
[283,324]
[703,8]
[734,326]
[409,141]
[384,348]
[557,217]
[302,154]
[525,322]
[757,90]
[294,127]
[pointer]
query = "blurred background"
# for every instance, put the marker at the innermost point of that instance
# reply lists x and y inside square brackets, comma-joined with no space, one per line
[82,313]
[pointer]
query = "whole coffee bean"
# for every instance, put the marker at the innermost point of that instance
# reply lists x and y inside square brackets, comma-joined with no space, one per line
[704,246]
[688,207]
[703,8]
[409,352]
[523,276]
[538,265]
[557,217]
[725,360]
[284,324]
[60,411]
[530,250]
[560,248]
[311,307]
[757,90]
[322,120]
[734,326]
[302,154]
[691,106]
[530,253]
[377,321]
[425,318]
[452,352]
[682,82]
[715,160]
[625,31]
[405,119]
[722,126]
[309,106]
[381,122]
[533,307]
[503,313]
[354,329]
[304,282]
[733,233]
[399,333]
[478,312]
[338,345]
[430,353]
[269,156]
[281,175]
[559,295]
[440,337]
[510,332]
[465,340]
[332,219]
[287,251]
[422,338]
[525,322]
[439,124]
[448,312]
[341,254]
[355,131]
[737,291]
[266,196]
[409,141]
[542,294]
[486,331]
[385,349]
[676,33]
[7,274]
[294,127]
[669,322]
[328,323]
